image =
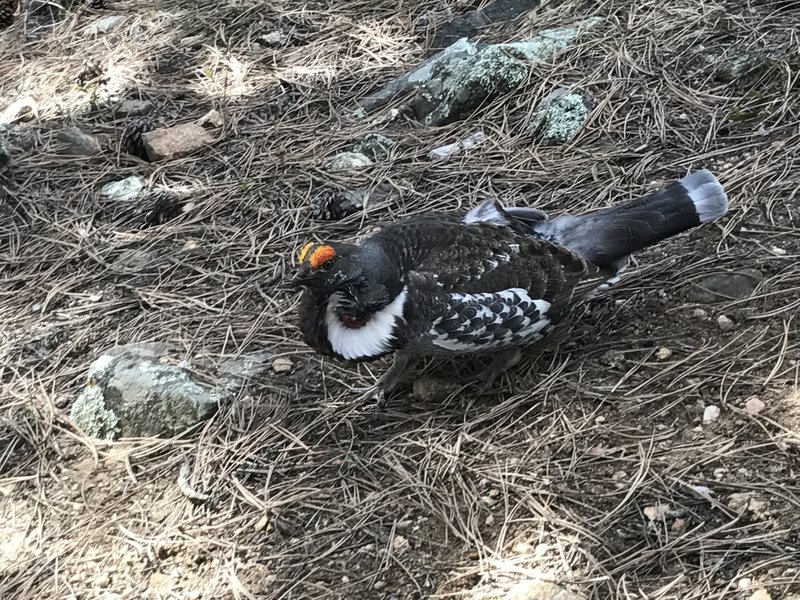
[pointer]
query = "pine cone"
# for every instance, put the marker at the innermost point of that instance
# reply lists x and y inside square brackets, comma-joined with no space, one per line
[7,10]
[164,207]
[333,205]
[131,141]
[91,70]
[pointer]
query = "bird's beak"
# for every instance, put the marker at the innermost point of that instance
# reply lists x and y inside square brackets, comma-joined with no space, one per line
[298,279]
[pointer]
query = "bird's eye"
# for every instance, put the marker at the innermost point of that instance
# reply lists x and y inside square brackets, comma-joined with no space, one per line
[327,265]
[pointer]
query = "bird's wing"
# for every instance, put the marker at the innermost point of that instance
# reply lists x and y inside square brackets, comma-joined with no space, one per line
[493,288]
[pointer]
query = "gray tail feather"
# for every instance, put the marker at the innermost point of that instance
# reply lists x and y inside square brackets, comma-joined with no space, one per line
[606,236]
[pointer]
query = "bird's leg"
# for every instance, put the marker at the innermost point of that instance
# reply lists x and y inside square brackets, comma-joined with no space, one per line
[404,363]
[505,359]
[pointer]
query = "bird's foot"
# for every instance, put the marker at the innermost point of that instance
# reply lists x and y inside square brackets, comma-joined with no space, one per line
[403,365]
[502,361]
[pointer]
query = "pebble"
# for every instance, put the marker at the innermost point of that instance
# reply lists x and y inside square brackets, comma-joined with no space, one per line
[761,594]
[744,583]
[754,406]
[489,520]
[725,323]
[400,543]
[699,313]
[678,525]
[663,353]
[282,365]
[711,413]
[656,512]
[212,119]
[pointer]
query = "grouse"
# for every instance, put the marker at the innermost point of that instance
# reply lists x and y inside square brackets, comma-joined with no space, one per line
[490,280]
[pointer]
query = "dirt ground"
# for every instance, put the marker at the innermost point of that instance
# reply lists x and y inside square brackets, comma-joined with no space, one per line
[589,466]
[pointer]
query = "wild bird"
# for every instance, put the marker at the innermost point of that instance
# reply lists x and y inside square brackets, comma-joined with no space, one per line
[492,280]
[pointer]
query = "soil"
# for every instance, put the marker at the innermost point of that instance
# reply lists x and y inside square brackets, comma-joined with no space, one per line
[589,466]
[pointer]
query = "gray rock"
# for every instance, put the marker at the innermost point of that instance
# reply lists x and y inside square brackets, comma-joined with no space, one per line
[134,108]
[168,143]
[124,189]
[374,146]
[560,116]
[434,389]
[457,87]
[456,148]
[132,393]
[725,286]
[78,143]
[345,161]
[104,24]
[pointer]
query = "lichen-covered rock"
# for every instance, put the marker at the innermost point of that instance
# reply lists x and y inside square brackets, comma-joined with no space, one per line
[132,393]
[345,161]
[124,189]
[457,87]
[374,146]
[559,117]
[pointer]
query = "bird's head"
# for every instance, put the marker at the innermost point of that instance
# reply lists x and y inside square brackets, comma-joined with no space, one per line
[327,267]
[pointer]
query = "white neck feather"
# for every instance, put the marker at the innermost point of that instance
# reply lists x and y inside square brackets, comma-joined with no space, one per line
[373,339]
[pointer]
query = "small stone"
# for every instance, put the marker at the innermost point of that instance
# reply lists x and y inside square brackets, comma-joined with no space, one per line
[699,313]
[400,544]
[190,245]
[761,594]
[744,583]
[663,353]
[711,413]
[488,501]
[522,548]
[450,150]
[282,365]
[261,524]
[725,323]
[78,143]
[374,146]
[725,286]
[211,120]
[749,502]
[656,512]
[125,189]
[134,108]
[777,251]
[489,520]
[753,406]
[345,161]
[433,389]
[102,580]
[379,585]
[678,525]
[168,143]
[19,109]
[104,25]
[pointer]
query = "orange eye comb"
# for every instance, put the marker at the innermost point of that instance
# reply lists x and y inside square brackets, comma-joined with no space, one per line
[320,255]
